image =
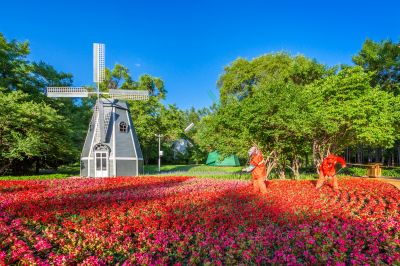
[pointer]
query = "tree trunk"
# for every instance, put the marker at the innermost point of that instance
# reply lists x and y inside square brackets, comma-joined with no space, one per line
[359,155]
[271,161]
[369,156]
[5,167]
[282,174]
[295,167]
[282,168]
[398,154]
[392,161]
[37,166]
[320,151]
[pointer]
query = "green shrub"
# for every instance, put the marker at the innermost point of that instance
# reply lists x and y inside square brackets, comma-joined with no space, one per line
[35,177]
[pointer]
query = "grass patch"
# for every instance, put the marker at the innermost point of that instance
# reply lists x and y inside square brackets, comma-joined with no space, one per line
[205,171]
[218,172]
[207,175]
[73,170]
[362,171]
[35,177]
[62,172]
[191,168]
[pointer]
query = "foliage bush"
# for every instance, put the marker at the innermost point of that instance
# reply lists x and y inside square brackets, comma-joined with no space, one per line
[35,177]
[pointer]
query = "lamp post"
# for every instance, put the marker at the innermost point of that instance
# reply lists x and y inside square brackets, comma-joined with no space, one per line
[159,151]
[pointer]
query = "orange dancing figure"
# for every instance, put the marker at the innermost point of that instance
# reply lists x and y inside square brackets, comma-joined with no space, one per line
[327,170]
[257,169]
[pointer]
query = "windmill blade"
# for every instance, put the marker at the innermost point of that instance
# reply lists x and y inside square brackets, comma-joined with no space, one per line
[99,55]
[189,127]
[67,92]
[129,94]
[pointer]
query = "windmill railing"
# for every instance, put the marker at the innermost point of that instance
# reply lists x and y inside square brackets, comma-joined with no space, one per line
[129,94]
[84,92]
[67,92]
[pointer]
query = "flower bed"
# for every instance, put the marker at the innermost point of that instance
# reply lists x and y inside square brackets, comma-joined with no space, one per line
[183,220]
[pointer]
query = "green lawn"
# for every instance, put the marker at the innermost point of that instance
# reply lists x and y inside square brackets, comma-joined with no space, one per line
[227,172]
[192,168]
[34,177]
[62,172]
[221,172]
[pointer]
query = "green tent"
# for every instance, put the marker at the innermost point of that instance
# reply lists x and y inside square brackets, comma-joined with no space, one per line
[214,160]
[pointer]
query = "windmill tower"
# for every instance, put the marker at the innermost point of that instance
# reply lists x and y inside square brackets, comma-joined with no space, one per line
[111,146]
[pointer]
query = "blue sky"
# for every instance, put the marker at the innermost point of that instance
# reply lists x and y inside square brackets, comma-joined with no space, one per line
[188,43]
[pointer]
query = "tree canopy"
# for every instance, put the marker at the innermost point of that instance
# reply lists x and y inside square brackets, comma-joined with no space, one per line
[347,111]
[31,130]
[383,61]
[294,108]
[35,130]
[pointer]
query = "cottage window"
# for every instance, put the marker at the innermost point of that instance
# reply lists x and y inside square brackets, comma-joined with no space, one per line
[123,127]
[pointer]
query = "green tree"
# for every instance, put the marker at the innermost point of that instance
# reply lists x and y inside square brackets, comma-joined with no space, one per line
[263,102]
[149,117]
[240,78]
[383,60]
[347,111]
[30,130]
[196,153]
[273,118]
[14,67]
[17,74]
[292,107]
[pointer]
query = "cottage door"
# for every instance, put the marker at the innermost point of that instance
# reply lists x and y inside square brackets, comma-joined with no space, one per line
[101,164]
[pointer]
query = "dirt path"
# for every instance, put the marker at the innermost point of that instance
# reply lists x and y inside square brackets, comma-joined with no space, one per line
[391,180]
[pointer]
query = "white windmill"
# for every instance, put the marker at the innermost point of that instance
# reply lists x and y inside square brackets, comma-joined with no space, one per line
[111,146]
